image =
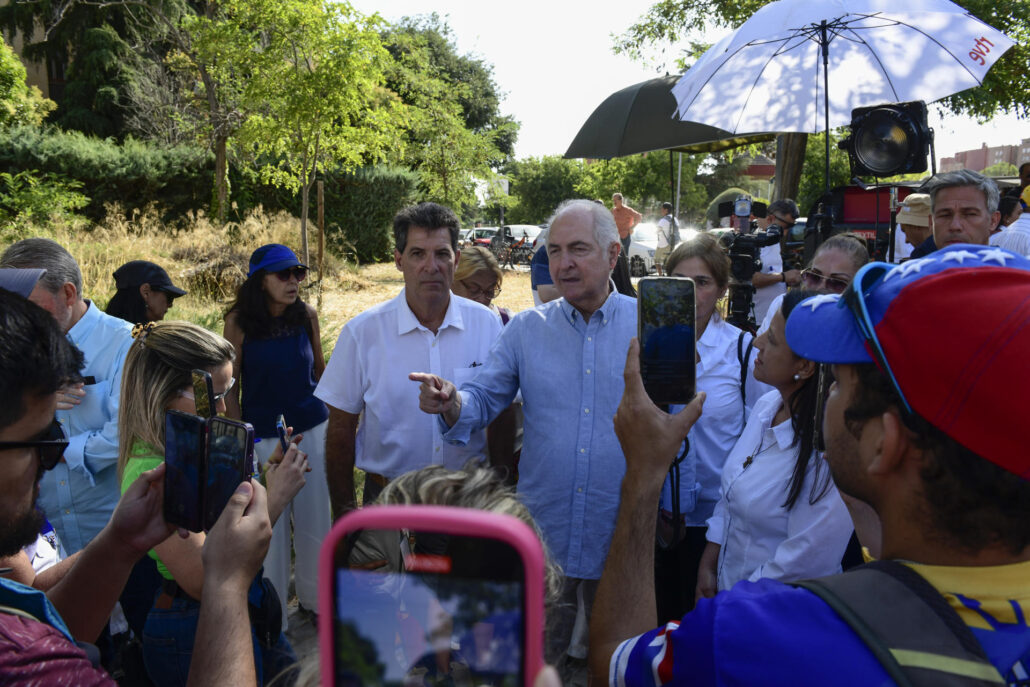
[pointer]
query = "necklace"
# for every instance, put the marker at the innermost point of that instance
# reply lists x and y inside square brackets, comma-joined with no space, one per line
[758,451]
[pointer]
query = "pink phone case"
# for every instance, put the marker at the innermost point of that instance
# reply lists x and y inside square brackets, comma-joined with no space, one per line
[446,520]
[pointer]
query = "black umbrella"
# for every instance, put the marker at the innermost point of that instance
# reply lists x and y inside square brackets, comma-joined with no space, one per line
[641,118]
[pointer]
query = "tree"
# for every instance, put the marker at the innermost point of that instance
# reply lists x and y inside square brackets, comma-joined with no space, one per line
[646,181]
[813,177]
[19,102]
[316,91]
[1002,169]
[454,135]
[540,184]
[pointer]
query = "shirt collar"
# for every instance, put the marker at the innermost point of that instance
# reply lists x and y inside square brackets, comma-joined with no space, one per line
[605,311]
[86,323]
[783,432]
[406,320]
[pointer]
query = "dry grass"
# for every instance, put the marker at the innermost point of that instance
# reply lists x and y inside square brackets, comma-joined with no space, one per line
[210,262]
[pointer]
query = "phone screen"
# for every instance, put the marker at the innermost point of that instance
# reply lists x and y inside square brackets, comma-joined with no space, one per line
[428,608]
[666,313]
[230,448]
[280,428]
[184,460]
[203,393]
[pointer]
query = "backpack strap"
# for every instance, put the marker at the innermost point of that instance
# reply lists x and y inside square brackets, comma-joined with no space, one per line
[743,356]
[908,626]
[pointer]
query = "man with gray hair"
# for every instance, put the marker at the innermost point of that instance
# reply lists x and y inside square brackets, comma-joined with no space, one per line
[79,494]
[567,357]
[964,206]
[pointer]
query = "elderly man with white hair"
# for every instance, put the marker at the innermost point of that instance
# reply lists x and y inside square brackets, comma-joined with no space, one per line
[567,357]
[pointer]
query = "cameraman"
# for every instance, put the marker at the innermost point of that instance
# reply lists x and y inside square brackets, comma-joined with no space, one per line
[773,281]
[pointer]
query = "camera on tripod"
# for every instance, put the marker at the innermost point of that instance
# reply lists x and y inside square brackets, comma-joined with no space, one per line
[743,248]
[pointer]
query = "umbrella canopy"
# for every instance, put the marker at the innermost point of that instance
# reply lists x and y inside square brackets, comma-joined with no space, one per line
[779,68]
[641,118]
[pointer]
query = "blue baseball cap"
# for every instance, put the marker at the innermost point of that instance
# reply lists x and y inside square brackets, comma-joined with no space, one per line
[20,281]
[954,328]
[273,257]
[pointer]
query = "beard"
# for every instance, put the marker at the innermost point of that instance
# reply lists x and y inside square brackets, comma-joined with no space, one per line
[18,531]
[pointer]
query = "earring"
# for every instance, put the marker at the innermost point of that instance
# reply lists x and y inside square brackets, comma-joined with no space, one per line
[797,377]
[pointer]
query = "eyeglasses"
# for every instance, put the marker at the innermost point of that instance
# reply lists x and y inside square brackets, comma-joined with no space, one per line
[817,280]
[788,222]
[474,291]
[187,393]
[300,273]
[50,446]
[854,297]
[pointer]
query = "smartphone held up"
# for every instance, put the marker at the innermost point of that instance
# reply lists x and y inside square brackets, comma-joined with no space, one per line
[430,595]
[667,334]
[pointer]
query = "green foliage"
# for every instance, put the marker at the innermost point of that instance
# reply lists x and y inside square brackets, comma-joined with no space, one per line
[19,103]
[453,134]
[540,184]
[1002,169]
[645,181]
[28,198]
[132,174]
[712,211]
[94,99]
[813,174]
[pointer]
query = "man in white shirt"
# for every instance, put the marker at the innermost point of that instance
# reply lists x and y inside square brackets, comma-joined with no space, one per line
[425,327]
[668,237]
[773,280]
[1016,236]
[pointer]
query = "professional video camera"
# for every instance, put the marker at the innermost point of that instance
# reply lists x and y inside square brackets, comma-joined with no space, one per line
[744,249]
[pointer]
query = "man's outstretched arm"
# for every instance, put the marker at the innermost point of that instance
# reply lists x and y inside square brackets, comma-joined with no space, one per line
[650,438]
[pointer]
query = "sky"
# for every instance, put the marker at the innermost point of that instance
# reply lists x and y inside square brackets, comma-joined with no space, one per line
[553,62]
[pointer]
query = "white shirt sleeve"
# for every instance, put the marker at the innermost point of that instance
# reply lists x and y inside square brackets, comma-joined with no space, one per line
[343,384]
[817,535]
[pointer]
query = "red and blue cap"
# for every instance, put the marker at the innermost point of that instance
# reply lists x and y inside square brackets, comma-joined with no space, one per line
[954,329]
[273,257]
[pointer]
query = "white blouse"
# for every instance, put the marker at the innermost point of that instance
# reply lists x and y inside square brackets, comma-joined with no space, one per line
[758,536]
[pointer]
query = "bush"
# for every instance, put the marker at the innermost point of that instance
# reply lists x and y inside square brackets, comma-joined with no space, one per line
[28,198]
[132,175]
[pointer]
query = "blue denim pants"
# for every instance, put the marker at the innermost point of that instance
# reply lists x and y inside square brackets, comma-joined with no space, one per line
[168,637]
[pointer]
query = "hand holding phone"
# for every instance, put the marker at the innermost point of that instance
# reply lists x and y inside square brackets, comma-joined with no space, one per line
[668,339]
[434,592]
[283,431]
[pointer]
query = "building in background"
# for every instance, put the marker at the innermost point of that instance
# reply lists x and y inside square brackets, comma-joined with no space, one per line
[987,156]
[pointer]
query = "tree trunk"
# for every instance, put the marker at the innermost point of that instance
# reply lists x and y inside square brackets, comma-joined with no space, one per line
[305,192]
[790,158]
[221,193]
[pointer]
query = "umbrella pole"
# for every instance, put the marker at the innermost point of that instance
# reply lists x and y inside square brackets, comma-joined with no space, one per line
[825,43]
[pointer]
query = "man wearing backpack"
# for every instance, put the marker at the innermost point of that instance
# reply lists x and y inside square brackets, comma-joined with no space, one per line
[668,237]
[924,423]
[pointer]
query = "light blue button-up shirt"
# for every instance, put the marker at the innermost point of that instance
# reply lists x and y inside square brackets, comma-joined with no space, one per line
[570,373]
[80,493]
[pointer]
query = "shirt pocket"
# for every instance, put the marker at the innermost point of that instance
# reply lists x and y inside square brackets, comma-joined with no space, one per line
[91,413]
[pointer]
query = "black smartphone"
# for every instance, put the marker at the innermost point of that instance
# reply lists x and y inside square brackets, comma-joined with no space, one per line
[457,600]
[185,443]
[203,393]
[230,460]
[280,429]
[667,335]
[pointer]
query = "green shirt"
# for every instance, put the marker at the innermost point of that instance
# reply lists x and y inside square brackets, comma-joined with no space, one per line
[143,457]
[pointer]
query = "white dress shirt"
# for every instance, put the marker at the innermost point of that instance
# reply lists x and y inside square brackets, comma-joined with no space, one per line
[719,427]
[772,263]
[1015,237]
[759,537]
[368,372]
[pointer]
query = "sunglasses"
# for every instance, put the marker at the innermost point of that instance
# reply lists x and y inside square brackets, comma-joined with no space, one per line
[819,281]
[50,446]
[854,297]
[187,393]
[300,273]
[473,290]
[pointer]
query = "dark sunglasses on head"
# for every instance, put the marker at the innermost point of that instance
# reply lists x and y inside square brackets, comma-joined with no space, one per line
[50,445]
[299,272]
[854,297]
[815,280]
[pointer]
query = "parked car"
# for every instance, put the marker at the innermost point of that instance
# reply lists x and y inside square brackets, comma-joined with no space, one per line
[481,236]
[642,248]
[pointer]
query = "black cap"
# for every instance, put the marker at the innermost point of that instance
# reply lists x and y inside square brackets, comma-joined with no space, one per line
[139,272]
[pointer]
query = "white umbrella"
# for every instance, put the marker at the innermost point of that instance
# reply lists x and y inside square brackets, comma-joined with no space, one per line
[766,75]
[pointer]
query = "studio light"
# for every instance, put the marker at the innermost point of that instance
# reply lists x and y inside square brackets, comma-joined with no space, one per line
[886,140]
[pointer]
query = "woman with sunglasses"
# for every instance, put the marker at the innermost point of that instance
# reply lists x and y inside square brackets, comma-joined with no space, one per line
[779,514]
[478,277]
[157,378]
[279,363]
[834,265]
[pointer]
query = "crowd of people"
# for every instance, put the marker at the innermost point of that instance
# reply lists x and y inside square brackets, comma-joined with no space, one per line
[697,544]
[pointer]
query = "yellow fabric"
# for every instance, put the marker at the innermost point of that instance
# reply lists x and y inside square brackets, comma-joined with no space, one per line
[143,457]
[995,587]
[947,664]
